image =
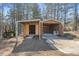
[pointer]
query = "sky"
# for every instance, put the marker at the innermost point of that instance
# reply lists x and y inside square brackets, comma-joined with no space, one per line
[7,6]
[41,5]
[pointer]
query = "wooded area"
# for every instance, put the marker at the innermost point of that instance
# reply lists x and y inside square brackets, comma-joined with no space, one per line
[66,13]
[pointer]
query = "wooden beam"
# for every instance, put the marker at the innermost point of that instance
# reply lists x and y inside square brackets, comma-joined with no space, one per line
[40,31]
[16,32]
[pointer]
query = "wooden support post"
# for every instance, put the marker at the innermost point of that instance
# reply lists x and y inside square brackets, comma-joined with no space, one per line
[42,29]
[16,32]
[39,31]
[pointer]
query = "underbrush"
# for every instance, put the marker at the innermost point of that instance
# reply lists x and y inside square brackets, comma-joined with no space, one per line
[8,34]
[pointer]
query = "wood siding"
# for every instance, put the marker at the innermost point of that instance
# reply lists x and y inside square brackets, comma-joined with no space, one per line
[41,27]
[25,29]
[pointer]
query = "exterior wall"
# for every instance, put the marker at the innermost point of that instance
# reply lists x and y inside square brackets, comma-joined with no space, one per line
[37,28]
[26,29]
[46,29]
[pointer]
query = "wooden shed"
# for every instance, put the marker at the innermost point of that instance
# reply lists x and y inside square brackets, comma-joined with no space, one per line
[38,27]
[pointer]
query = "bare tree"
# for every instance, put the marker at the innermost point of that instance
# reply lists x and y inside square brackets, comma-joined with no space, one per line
[75,17]
[1,20]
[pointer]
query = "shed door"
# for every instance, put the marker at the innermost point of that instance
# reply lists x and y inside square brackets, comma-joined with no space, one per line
[32,29]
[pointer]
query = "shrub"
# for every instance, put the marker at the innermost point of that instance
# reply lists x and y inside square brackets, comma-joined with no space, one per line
[8,34]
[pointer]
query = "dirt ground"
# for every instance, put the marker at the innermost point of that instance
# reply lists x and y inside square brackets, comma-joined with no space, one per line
[66,44]
[33,47]
[6,46]
[39,53]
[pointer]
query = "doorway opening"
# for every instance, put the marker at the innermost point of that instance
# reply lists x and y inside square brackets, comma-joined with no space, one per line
[31,29]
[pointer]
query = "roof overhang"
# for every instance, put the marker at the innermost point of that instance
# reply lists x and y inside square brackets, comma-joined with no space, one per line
[45,21]
[27,21]
[50,21]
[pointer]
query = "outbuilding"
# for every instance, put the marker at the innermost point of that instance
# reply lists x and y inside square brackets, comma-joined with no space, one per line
[38,27]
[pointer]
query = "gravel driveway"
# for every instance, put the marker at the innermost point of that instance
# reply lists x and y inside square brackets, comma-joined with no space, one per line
[35,47]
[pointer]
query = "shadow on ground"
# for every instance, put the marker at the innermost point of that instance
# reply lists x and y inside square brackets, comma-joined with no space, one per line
[69,36]
[33,45]
[66,36]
